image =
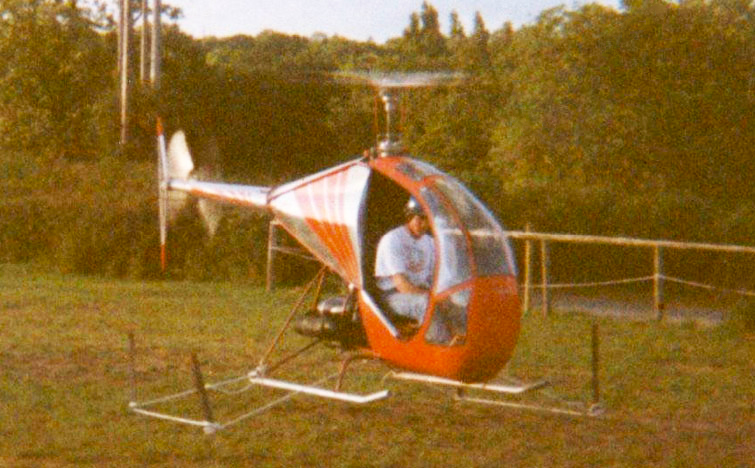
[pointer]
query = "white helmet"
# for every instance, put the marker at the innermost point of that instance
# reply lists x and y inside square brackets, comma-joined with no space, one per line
[413,208]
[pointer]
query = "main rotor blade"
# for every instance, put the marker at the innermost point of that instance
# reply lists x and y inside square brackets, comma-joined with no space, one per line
[385,80]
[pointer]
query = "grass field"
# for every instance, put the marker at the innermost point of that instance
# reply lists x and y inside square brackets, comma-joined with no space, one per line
[675,394]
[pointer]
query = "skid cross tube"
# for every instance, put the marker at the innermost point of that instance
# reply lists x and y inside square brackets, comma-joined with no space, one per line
[316,280]
[254,378]
[211,426]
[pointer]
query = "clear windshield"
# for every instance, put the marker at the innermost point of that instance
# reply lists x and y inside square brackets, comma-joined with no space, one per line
[490,247]
[463,229]
[453,267]
[456,212]
[417,170]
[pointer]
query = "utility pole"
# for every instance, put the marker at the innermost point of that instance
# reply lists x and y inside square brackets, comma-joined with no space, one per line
[143,48]
[156,43]
[124,38]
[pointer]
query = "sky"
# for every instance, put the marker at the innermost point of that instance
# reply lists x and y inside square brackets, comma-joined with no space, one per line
[360,20]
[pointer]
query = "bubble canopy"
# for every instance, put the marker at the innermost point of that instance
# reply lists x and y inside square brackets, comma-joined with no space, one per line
[470,241]
[472,321]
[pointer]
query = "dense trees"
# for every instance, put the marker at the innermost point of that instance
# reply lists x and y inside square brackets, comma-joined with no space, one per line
[642,101]
[52,66]
[592,120]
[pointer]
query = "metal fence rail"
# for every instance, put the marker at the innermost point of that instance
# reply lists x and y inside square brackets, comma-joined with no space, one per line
[658,277]
[544,240]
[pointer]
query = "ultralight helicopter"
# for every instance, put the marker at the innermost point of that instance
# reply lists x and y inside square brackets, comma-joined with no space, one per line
[339,215]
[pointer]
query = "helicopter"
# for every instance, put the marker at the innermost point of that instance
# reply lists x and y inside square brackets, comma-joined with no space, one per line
[339,215]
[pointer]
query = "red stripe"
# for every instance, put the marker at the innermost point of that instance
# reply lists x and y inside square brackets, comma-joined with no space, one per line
[335,228]
[323,210]
[346,251]
[350,259]
[307,205]
[324,191]
[163,258]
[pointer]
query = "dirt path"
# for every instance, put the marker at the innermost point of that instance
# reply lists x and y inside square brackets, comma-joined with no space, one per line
[635,308]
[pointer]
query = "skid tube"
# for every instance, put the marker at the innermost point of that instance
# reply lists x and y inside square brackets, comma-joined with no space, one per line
[517,388]
[252,379]
[259,377]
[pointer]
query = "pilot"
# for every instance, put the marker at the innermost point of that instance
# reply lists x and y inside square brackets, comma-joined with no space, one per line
[404,264]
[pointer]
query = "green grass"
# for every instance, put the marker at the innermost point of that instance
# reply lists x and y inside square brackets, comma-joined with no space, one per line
[675,395]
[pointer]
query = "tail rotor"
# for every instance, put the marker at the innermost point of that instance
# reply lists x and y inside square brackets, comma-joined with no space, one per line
[174,163]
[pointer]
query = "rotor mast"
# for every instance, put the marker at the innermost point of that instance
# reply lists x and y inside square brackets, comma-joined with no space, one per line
[391,144]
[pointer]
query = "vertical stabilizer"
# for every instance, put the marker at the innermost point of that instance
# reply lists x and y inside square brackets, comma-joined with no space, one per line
[174,163]
[179,181]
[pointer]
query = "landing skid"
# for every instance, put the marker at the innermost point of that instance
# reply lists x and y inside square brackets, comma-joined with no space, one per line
[510,389]
[253,379]
[259,377]
[514,388]
[256,379]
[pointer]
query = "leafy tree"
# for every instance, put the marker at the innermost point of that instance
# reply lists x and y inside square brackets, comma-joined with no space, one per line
[413,32]
[422,46]
[480,58]
[432,42]
[456,31]
[639,102]
[52,70]
[588,121]
[457,37]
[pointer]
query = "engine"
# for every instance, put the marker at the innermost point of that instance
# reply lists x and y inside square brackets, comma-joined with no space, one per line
[334,319]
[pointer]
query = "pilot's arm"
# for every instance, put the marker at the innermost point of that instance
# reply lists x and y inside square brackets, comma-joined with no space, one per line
[403,285]
[404,260]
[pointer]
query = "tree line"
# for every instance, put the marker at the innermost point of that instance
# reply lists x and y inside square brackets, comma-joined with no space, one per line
[635,122]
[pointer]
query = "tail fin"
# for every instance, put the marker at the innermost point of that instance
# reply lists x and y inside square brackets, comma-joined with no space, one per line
[175,166]
[174,163]
[179,163]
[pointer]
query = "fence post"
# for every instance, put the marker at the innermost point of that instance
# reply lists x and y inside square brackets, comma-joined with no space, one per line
[595,364]
[527,269]
[545,261]
[132,363]
[658,305]
[272,245]
[201,389]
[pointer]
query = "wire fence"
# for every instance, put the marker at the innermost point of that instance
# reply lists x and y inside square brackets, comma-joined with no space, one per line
[658,278]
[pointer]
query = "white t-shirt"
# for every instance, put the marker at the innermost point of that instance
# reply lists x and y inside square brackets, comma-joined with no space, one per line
[399,252]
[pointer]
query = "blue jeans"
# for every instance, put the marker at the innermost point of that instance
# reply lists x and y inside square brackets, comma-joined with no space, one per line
[413,306]
[407,304]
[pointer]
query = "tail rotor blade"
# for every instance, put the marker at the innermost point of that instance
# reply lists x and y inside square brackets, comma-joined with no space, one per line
[162,184]
[178,179]
[174,163]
